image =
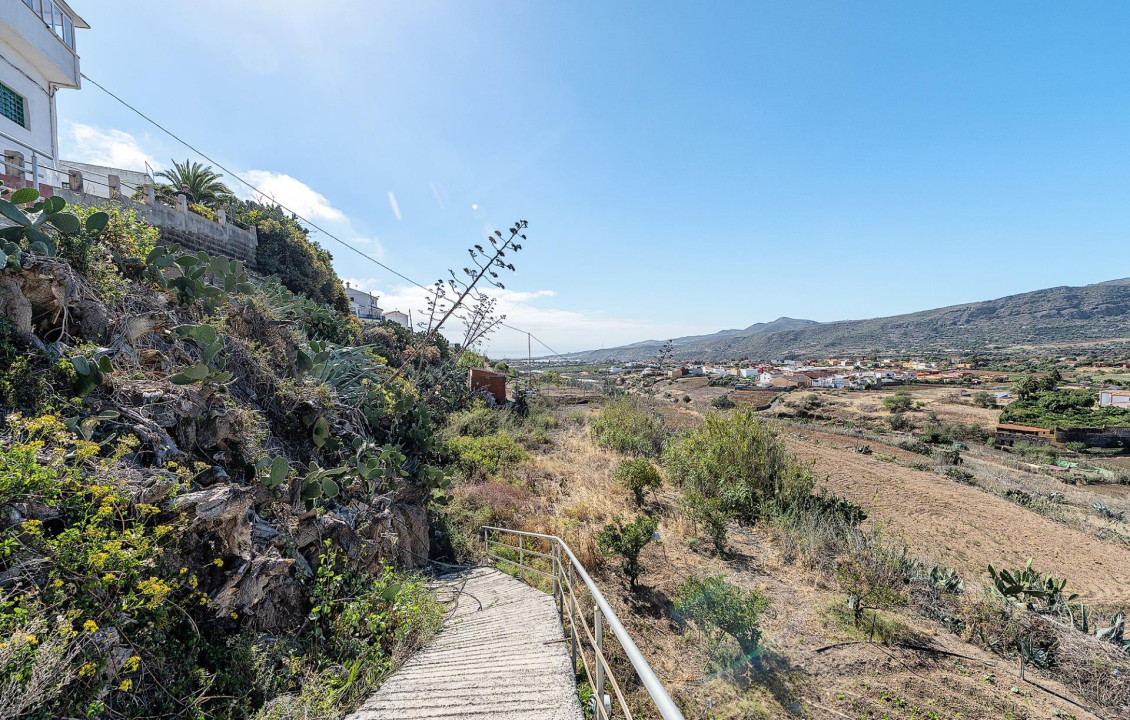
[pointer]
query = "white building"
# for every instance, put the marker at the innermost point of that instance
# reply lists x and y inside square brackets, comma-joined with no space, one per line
[37,58]
[363,304]
[399,318]
[1115,398]
[749,372]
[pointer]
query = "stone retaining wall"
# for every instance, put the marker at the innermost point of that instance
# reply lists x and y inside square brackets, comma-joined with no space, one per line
[187,229]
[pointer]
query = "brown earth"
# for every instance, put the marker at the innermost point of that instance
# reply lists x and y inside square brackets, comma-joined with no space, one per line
[967,528]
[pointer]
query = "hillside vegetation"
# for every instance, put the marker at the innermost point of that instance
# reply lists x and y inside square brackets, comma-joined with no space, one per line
[213,491]
[1091,313]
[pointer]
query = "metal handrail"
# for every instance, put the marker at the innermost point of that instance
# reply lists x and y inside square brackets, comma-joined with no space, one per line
[563,584]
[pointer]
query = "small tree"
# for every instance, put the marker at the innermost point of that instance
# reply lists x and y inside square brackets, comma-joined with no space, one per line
[724,607]
[1026,387]
[708,511]
[722,402]
[984,399]
[638,475]
[627,541]
[872,576]
[899,402]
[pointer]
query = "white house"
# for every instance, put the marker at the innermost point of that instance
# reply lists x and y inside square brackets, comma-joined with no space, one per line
[749,372]
[1115,398]
[37,58]
[767,377]
[399,318]
[363,304]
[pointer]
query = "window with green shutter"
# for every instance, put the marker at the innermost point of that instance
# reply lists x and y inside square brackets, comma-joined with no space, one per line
[12,105]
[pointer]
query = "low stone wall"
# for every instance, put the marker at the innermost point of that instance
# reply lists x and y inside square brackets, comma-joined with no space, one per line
[1102,437]
[187,229]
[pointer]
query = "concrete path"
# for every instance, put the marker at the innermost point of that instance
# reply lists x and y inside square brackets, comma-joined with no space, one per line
[507,660]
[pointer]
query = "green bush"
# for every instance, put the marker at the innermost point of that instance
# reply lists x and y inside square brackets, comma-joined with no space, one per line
[739,460]
[899,402]
[639,476]
[487,454]
[1063,408]
[722,402]
[724,607]
[984,399]
[898,421]
[627,541]
[628,425]
[285,250]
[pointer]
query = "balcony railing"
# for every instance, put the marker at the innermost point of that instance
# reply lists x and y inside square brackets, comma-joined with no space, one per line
[54,17]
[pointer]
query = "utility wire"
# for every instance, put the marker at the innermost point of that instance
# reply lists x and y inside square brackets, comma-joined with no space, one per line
[261,194]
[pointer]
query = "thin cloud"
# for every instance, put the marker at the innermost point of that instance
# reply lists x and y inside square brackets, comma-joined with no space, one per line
[294,194]
[563,330]
[107,147]
[392,204]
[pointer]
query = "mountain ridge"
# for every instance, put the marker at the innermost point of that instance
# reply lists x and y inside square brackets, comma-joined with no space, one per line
[1062,314]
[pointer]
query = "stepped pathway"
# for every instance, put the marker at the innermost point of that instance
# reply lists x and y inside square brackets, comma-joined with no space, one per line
[502,656]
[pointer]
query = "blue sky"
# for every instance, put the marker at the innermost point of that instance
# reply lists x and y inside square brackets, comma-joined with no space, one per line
[685,167]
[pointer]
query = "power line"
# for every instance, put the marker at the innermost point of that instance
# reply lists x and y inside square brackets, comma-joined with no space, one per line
[261,194]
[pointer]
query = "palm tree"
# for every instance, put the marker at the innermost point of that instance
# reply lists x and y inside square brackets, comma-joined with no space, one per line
[202,181]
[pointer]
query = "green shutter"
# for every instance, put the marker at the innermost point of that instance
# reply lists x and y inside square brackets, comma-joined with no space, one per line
[12,105]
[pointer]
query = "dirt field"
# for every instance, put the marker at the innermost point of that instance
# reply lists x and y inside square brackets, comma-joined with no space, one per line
[965,527]
[865,407]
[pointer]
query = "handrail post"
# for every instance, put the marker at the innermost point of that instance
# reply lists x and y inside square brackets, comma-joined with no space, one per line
[572,619]
[598,682]
[521,557]
[556,580]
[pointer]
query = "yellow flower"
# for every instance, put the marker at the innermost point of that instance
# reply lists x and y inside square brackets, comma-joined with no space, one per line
[33,527]
[218,562]
[126,685]
[234,615]
[56,583]
[87,669]
[204,599]
[193,582]
[183,571]
[32,640]
[133,663]
[90,626]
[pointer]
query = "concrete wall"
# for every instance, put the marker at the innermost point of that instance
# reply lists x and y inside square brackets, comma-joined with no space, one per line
[187,229]
[95,178]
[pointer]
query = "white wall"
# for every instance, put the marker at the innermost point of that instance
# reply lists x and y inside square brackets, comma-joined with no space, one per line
[38,108]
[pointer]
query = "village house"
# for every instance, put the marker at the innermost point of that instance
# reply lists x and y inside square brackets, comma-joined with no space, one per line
[363,304]
[1114,398]
[37,42]
[399,318]
[749,372]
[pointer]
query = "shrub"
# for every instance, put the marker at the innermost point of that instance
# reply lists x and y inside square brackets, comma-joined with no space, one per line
[725,607]
[898,421]
[628,425]
[916,446]
[739,460]
[708,511]
[722,402]
[873,575]
[984,399]
[476,421]
[284,250]
[638,475]
[899,402]
[723,381]
[627,541]
[487,454]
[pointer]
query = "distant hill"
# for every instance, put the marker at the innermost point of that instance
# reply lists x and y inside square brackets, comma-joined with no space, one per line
[1060,315]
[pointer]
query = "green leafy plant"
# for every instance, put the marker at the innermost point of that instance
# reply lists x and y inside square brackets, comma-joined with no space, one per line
[627,541]
[630,426]
[727,608]
[639,476]
[272,472]
[90,373]
[740,460]
[32,217]
[1028,588]
[210,369]
[900,402]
